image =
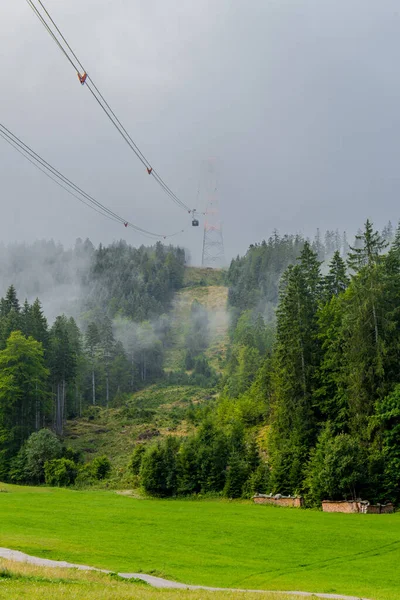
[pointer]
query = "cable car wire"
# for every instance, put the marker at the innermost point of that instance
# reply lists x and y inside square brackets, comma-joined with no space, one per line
[102,101]
[69,186]
[8,140]
[42,20]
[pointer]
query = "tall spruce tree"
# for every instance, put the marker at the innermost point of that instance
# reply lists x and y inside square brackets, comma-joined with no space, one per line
[296,361]
[337,280]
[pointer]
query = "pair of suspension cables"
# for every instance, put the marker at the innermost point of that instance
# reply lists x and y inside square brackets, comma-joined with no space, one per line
[84,78]
[70,187]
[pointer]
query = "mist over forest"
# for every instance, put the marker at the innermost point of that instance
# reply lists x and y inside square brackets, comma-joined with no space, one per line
[76,280]
[82,278]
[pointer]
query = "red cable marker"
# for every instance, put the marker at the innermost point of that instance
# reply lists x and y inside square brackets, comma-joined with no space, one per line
[82,78]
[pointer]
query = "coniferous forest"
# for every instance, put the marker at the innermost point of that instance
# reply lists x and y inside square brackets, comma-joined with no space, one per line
[306,402]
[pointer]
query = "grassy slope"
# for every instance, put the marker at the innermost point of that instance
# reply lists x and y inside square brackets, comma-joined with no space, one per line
[38,583]
[228,544]
[203,276]
[205,286]
[114,432]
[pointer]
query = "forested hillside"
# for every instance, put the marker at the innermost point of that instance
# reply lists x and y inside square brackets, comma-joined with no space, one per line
[135,282]
[286,381]
[311,406]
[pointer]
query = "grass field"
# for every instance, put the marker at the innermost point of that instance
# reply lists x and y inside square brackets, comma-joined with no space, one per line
[38,583]
[214,543]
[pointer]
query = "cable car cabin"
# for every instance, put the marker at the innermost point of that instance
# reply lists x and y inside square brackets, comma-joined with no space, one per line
[195,223]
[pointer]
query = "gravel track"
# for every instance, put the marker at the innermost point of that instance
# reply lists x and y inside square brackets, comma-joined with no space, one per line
[157,582]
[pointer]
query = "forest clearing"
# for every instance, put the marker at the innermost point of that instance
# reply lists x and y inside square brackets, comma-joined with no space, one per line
[211,542]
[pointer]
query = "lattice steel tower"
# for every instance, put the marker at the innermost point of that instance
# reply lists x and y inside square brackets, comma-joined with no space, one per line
[213,241]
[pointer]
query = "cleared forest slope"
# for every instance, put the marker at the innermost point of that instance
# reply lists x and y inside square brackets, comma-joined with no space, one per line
[160,408]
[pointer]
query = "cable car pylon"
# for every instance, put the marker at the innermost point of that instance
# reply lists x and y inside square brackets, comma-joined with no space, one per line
[213,254]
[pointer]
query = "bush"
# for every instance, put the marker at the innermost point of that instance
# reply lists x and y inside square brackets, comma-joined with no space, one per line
[60,472]
[136,459]
[338,468]
[40,447]
[91,413]
[100,467]
[75,455]
[85,476]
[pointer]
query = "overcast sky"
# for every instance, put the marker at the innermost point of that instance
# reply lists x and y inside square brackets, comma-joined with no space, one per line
[297,100]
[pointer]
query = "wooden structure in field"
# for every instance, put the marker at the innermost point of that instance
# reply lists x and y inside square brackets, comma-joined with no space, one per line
[279,500]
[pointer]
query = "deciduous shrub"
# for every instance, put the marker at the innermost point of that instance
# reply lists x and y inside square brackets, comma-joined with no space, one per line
[136,459]
[338,467]
[60,472]
[28,465]
[100,467]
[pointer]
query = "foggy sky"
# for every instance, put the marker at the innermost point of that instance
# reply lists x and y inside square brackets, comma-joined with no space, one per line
[298,101]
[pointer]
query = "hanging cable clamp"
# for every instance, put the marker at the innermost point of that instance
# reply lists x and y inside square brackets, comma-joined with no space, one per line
[82,78]
[149,170]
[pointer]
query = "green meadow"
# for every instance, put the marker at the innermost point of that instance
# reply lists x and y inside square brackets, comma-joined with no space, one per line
[207,542]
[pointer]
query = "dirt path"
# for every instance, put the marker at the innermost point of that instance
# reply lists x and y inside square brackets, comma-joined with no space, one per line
[157,582]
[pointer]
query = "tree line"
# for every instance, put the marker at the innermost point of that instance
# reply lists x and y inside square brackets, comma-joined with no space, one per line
[254,278]
[313,407]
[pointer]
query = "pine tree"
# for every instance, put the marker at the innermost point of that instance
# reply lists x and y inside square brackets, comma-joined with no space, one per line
[367,250]
[11,300]
[369,350]
[296,361]
[25,320]
[38,323]
[337,280]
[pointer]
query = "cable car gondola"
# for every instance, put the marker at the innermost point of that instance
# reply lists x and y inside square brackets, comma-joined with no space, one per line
[195,222]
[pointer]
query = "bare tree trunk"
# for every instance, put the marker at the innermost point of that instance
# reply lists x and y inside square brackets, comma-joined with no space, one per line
[63,406]
[375,323]
[303,363]
[58,410]
[54,406]
[132,372]
[37,412]
[303,368]
[93,387]
[143,366]
[107,387]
